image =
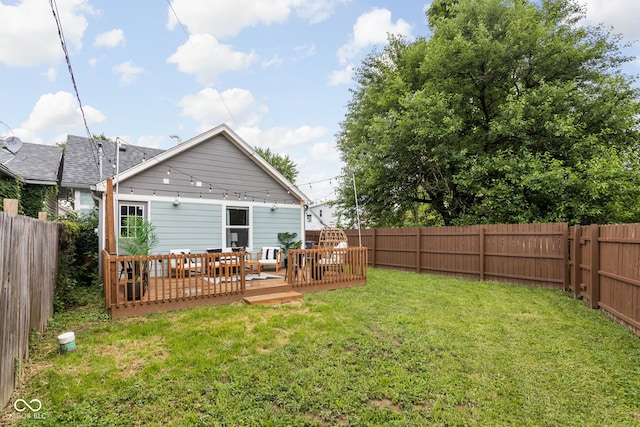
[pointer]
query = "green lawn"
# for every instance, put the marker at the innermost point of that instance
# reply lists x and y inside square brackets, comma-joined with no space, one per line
[406,349]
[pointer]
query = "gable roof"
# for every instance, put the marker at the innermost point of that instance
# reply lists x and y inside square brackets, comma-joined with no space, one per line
[81,162]
[34,163]
[230,135]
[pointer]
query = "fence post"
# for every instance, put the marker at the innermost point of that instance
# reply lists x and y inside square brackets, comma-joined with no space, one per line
[576,260]
[10,206]
[565,242]
[482,251]
[373,247]
[418,250]
[594,232]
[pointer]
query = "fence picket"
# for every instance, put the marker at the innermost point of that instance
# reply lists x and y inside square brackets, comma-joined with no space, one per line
[28,274]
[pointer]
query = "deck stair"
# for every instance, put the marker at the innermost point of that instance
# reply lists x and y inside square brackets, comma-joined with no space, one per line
[275,298]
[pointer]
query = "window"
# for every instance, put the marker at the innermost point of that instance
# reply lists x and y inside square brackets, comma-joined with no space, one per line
[320,213]
[126,211]
[308,217]
[237,227]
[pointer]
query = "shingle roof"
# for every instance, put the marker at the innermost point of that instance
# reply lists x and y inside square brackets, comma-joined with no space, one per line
[34,163]
[80,169]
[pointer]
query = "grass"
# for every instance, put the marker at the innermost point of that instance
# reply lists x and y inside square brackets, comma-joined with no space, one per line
[406,349]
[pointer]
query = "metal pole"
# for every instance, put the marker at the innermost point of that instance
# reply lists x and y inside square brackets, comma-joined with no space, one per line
[116,209]
[355,194]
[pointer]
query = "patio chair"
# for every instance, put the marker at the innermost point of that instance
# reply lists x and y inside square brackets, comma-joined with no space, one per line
[270,256]
[333,260]
[191,265]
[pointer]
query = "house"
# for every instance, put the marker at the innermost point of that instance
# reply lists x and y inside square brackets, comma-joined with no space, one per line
[212,191]
[39,168]
[87,162]
[320,215]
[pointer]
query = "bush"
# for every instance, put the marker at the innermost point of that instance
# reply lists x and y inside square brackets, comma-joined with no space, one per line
[78,280]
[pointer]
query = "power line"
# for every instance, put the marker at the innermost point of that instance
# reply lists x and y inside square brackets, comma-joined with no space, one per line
[54,9]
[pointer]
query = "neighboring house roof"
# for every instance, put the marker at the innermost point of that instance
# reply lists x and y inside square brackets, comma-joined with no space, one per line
[34,163]
[230,135]
[81,160]
[7,172]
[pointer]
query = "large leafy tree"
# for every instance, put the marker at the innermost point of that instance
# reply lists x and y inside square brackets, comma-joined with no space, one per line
[512,111]
[282,163]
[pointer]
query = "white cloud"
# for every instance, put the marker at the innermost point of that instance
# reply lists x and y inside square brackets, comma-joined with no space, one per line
[317,10]
[28,33]
[128,72]
[207,58]
[339,77]
[153,141]
[324,150]
[281,139]
[304,51]
[60,112]
[51,74]
[211,108]
[111,38]
[274,60]
[623,15]
[372,28]
[228,18]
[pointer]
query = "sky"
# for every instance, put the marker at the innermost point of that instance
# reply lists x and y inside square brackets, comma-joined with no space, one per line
[278,72]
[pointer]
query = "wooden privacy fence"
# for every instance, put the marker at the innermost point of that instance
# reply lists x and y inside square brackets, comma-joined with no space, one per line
[28,268]
[598,263]
[529,254]
[605,270]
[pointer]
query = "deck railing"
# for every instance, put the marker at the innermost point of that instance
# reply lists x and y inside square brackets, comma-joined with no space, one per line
[326,266]
[140,280]
[146,284]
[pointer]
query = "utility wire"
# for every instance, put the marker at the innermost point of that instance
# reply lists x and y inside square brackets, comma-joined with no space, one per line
[56,16]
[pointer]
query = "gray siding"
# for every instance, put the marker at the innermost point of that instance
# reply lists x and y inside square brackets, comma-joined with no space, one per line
[267,224]
[197,226]
[216,163]
[194,226]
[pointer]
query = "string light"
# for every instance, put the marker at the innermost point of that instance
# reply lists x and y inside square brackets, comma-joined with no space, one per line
[246,195]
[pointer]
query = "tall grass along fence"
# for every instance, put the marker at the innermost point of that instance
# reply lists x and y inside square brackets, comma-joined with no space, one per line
[598,263]
[28,268]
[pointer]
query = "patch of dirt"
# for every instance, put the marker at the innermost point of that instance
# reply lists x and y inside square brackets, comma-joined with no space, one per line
[384,403]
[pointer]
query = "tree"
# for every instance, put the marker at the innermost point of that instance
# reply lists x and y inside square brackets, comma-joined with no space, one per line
[510,112]
[282,164]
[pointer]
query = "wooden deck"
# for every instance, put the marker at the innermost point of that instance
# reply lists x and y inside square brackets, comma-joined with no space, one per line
[190,285]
